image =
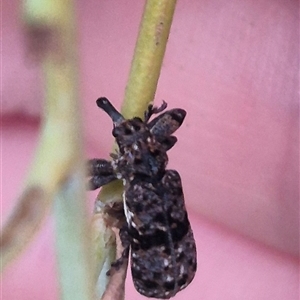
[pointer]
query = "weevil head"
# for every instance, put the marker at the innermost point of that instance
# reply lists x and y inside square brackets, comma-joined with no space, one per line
[139,149]
[126,132]
[129,132]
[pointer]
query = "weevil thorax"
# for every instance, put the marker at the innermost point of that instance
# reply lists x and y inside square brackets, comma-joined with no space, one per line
[139,151]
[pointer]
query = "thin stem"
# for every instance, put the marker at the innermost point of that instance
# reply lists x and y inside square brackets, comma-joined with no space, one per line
[148,56]
[59,61]
[57,170]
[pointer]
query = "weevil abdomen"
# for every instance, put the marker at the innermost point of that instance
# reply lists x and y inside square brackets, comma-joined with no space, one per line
[163,251]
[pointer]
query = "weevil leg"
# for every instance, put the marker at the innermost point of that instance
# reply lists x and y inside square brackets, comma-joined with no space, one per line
[96,182]
[125,241]
[99,167]
[154,110]
[114,156]
[101,173]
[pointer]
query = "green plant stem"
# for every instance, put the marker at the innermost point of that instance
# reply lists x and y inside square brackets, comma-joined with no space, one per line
[148,56]
[51,39]
[72,238]
[59,164]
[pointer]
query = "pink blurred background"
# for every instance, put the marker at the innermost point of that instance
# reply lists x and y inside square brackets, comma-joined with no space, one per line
[233,65]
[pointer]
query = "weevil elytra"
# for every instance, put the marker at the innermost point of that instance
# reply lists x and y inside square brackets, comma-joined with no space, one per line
[158,232]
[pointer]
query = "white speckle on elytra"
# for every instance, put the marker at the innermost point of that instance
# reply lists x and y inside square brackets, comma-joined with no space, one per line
[181,269]
[179,249]
[133,224]
[183,286]
[160,227]
[114,164]
[128,213]
[169,278]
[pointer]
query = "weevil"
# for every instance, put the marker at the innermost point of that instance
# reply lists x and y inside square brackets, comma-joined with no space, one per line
[157,231]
